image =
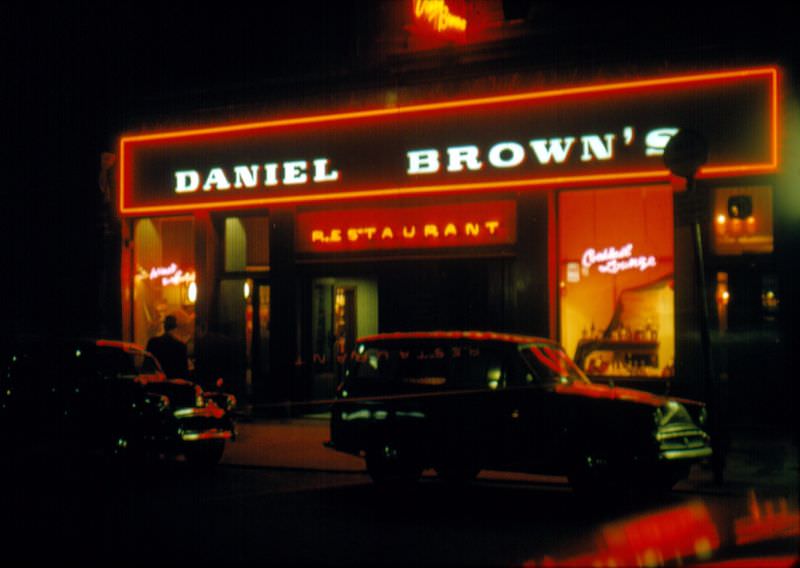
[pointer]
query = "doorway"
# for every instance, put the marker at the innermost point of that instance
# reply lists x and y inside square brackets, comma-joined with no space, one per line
[342,309]
[244,319]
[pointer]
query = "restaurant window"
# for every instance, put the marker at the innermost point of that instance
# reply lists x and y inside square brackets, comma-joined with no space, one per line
[165,278]
[742,219]
[616,281]
[246,243]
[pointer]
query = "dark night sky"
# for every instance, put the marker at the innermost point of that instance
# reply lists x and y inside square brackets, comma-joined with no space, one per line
[77,74]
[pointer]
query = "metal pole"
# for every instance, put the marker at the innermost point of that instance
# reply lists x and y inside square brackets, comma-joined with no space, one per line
[709,378]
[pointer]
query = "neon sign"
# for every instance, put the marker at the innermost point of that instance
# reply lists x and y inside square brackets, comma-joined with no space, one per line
[293,173]
[612,260]
[171,275]
[436,13]
[454,225]
[536,140]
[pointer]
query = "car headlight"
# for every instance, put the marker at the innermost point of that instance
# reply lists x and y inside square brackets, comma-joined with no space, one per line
[658,416]
[230,402]
[672,412]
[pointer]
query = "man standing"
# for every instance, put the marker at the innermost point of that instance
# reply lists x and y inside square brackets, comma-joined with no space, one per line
[170,351]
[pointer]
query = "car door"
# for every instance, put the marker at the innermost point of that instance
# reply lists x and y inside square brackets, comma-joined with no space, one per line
[531,419]
[464,416]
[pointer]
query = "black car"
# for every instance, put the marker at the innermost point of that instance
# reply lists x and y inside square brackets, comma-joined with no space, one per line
[110,397]
[460,402]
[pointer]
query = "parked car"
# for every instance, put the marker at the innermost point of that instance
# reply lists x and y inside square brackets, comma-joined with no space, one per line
[107,396]
[461,402]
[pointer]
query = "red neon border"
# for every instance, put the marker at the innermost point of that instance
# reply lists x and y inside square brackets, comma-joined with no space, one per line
[390,192]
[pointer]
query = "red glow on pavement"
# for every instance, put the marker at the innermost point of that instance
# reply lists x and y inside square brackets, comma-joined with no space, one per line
[767,520]
[679,534]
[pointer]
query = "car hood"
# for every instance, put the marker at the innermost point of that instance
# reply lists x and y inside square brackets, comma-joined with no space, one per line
[610,393]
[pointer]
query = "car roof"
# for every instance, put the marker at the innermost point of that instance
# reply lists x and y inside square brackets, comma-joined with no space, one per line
[457,335]
[124,345]
[75,342]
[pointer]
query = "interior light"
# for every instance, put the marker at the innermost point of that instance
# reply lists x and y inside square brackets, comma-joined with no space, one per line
[191,293]
[740,206]
[726,296]
[246,290]
[721,219]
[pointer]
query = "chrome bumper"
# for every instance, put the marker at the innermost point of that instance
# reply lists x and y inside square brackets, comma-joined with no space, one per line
[210,411]
[215,434]
[683,443]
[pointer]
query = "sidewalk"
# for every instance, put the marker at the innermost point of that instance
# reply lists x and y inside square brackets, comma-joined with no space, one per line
[294,443]
[767,460]
[761,460]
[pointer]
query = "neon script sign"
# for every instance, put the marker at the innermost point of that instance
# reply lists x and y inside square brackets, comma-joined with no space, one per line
[612,260]
[436,13]
[172,275]
[455,225]
[517,142]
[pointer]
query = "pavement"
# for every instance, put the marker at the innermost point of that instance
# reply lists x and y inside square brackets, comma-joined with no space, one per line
[288,443]
[764,460]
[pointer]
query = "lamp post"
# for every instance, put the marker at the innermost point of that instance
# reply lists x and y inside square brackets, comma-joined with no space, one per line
[685,153]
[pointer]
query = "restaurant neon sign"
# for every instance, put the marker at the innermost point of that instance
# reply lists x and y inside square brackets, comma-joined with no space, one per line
[516,142]
[454,225]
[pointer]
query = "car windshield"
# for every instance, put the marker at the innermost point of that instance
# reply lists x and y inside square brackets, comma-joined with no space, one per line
[428,364]
[550,362]
[118,363]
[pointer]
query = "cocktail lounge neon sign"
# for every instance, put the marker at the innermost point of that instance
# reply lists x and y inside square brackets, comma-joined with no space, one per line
[612,260]
[172,275]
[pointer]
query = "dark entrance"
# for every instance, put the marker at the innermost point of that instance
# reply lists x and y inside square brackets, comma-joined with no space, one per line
[451,294]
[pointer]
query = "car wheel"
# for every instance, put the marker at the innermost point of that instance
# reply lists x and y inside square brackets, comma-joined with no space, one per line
[590,475]
[668,477]
[386,465]
[205,454]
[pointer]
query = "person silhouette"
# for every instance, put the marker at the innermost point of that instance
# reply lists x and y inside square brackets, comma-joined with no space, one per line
[170,351]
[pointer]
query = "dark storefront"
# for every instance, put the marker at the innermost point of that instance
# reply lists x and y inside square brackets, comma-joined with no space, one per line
[545,212]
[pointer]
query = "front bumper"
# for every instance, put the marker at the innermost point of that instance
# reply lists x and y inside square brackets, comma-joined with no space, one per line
[682,443]
[203,423]
[214,434]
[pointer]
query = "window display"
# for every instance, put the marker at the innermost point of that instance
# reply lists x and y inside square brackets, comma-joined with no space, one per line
[617,293]
[165,278]
[742,220]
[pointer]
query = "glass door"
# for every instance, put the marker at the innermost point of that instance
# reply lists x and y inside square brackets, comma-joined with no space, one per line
[342,309]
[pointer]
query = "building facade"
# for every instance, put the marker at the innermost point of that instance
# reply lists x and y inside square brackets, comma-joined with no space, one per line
[530,201]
